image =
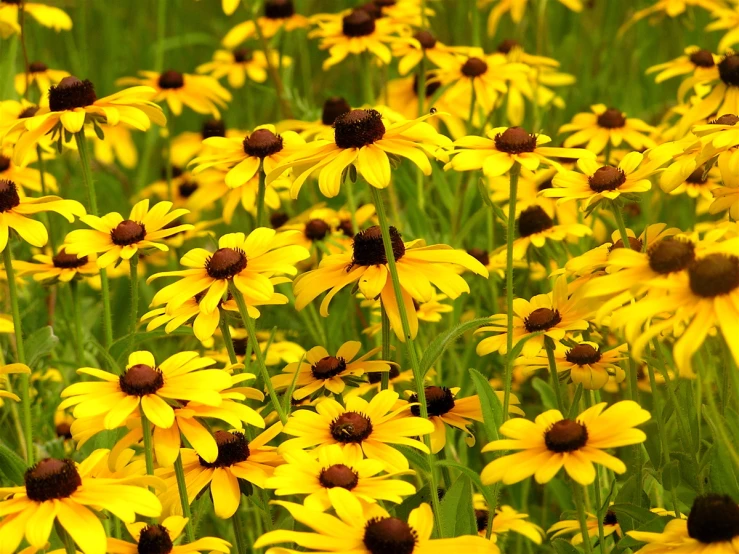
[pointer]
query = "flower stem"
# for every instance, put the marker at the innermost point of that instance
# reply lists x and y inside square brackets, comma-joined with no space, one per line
[418,378]
[179,472]
[260,199]
[168,170]
[553,375]
[590,401]
[226,334]
[44,192]
[507,380]
[78,341]
[134,265]
[283,106]
[20,348]
[252,333]
[241,543]
[620,223]
[69,546]
[148,446]
[367,88]
[161,31]
[385,382]
[582,517]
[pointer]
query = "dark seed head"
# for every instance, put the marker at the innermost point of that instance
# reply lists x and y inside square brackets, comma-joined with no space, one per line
[9,198]
[533,220]
[334,107]
[187,188]
[726,119]
[213,128]
[128,232]
[610,518]
[279,9]
[507,45]
[375,377]
[439,400]
[565,436]
[702,58]
[359,23]
[713,518]
[515,140]
[346,227]
[28,112]
[278,219]
[611,119]
[668,256]
[351,427]
[68,261]
[232,449]
[606,178]
[426,39]
[714,275]
[389,535]
[4,163]
[225,263]
[316,229]
[545,185]
[431,86]
[240,346]
[51,479]
[480,255]
[338,475]
[542,319]
[474,67]
[37,67]
[171,79]
[154,539]
[243,55]
[328,367]
[63,430]
[369,249]
[71,93]
[698,177]
[262,143]
[371,8]
[728,70]
[358,128]
[481,517]
[140,380]
[583,354]
[634,243]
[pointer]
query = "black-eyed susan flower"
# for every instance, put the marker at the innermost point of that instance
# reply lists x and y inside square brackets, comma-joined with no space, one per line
[161,538]
[40,75]
[241,63]
[48,16]
[318,473]
[11,368]
[363,139]
[694,61]
[572,526]
[427,46]
[506,519]
[62,492]
[238,459]
[727,19]
[516,10]
[607,126]
[274,346]
[370,531]
[278,14]
[115,238]
[369,427]
[322,128]
[553,441]
[535,227]
[26,178]
[320,370]
[420,267]
[14,209]
[62,267]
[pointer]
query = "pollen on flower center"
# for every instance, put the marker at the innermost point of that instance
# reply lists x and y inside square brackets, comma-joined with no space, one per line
[128,232]
[232,449]
[606,178]
[154,539]
[171,79]
[480,255]
[332,108]
[713,275]
[375,377]
[51,479]
[279,9]
[316,229]
[698,177]
[726,119]
[668,256]
[37,67]
[359,23]
[9,198]
[713,518]
[71,93]
[370,250]
[351,427]
[262,143]
[426,39]
[507,45]
[533,220]
[213,128]
[389,535]
[515,141]
[702,58]
[338,475]
[611,119]
[474,67]
[583,354]
[728,70]
[225,263]
[141,379]
[439,400]
[565,436]
[68,261]
[328,367]
[541,319]
[358,128]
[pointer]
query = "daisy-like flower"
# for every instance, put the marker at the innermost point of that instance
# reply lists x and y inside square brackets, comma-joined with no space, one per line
[607,125]
[116,238]
[11,368]
[238,459]
[550,315]
[40,75]
[62,492]
[516,9]
[370,531]
[26,178]
[503,147]
[241,63]
[249,261]
[62,267]
[583,363]
[363,139]
[320,370]
[319,473]
[703,186]
[505,519]
[727,20]
[552,441]
[48,16]
[426,46]
[146,386]
[74,104]
[568,526]
[420,267]
[14,209]
[535,227]
[672,9]
[361,426]
[695,62]
[161,538]
[278,14]
[201,93]
[322,128]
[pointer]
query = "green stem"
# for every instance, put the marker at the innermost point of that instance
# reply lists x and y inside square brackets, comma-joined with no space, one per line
[134,265]
[553,374]
[161,31]
[582,517]
[510,233]
[65,538]
[351,203]
[92,203]
[261,191]
[148,446]
[44,192]
[385,382]
[184,500]
[107,314]
[590,401]
[241,542]
[168,170]
[421,88]
[283,106]
[78,340]
[367,88]
[607,154]
[226,334]
[620,223]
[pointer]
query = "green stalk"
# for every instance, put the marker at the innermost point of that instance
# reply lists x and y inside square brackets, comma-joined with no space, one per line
[553,374]
[66,538]
[508,379]
[367,88]
[78,341]
[134,264]
[161,31]
[620,223]
[184,500]
[241,542]
[261,191]
[148,446]
[589,401]
[282,104]
[168,168]
[351,203]
[582,517]
[44,192]
[226,334]
[385,383]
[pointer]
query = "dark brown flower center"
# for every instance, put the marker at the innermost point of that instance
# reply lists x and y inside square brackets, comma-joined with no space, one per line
[328,367]
[316,229]
[507,45]
[358,128]
[698,177]
[63,430]
[728,70]
[541,319]
[668,256]
[359,23]
[481,517]
[439,400]
[583,354]
[4,163]
[9,198]
[389,535]
[187,188]
[610,518]
[37,67]
[128,232]
[346,227]
[565,436]
[176,172]
[51,479]
[375,377]
[338,475]
[262,143]
[279,9]
[515,141]
[154,539]
[171,79]
[726,119]
[545,185]
[606,178]
[702,58]
[713,518]
[533,220]
[68,261]
[334,107]
[71,93]
[141,379]
[351,427]
[278,219]
[240,346]
[474,67]
[611,119]
[369,249]
[225,263]
[426,39]
[213,128]
[431,86]
[480,255]
[232,449]
[372,8]
[243,55]
[714,275]
[634,243]
[28,112]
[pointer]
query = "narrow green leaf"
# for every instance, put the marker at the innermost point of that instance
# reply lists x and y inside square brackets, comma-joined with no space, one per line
[562,546]
[487,492]
[11,465]
[492,411]
[545,392]
[39,344]
[575,406]
[457,514]
[442,341]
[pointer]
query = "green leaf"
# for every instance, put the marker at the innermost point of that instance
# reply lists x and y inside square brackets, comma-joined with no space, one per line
[546,393]
[457,514]
[442,341]
[575,406]
[416,458]
[11,465]
[487,492]
[671,475]
[492,410]
[654,525]
[413,502]
[631,516]
[721,469]
[39,344]
[562,546]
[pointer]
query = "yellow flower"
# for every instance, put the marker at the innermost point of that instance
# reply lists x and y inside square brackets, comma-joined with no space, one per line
[567,526]
[535,227]
[161,537]
[241,63]
[63,267]
[41,75]
[695,62]
[323,128]
[117,145]
[607,125]
[11,368]
[517,9]
[424,45]
[278,14]
[48,16]
[506,519]
[26,178]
